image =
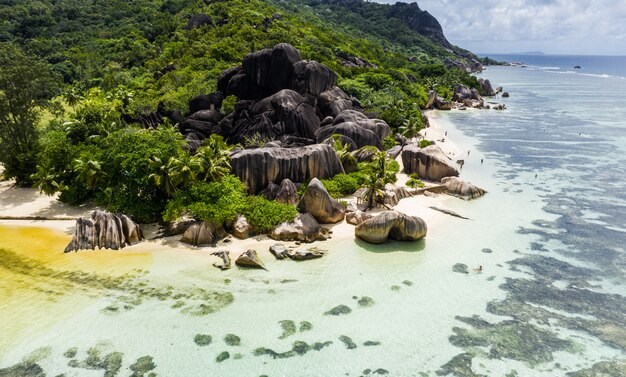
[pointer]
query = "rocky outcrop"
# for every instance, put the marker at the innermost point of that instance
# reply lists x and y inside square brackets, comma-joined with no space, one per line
[391,225]
[287,192]
[283,113]
[250,259]
[468,97]
[332,102]
[177,227]
[429,163]
[281,252]
[104,230]
[318,202]
[262,166]
[203,233]
[357,217]
[457,187]
[486,87]
[358,128]
[241,228]
[437,102]
[393,194]
[303,228]
[224,254]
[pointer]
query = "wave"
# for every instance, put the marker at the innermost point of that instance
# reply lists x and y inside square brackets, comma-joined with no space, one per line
[599,75]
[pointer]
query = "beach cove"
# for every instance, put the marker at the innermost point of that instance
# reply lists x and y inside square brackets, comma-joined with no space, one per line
[397,307]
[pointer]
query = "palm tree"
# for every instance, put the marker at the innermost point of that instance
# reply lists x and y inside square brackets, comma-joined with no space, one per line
[161,177]
[182,171]
[72,96]
[213,163]
[374,193]
[409,128]
[90,172]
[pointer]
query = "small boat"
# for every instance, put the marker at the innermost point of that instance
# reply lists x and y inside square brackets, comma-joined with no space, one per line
[577,67]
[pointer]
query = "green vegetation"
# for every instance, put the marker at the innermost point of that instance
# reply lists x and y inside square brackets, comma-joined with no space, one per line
[74,71]
[221,201]
[425,143]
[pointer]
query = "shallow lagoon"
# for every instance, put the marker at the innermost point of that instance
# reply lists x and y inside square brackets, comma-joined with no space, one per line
[550,299]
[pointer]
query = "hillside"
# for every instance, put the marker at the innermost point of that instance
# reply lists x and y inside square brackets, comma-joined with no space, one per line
[123,125]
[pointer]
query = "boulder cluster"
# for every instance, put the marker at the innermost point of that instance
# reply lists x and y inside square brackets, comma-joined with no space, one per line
[104,230]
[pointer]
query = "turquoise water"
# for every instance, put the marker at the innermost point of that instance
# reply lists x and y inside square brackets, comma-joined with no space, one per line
[549,234]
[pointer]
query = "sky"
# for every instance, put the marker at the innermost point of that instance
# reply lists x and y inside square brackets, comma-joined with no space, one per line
[577,27]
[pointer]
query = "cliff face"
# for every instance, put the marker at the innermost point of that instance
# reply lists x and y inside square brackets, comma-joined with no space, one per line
[420,21]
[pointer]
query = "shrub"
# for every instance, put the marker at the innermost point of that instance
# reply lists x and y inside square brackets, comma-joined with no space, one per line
[414,183]
[218,202]
[341,185]
[265,215]
[425,143]
[389,142]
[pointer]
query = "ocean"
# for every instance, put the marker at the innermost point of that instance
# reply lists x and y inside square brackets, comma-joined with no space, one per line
[550,236]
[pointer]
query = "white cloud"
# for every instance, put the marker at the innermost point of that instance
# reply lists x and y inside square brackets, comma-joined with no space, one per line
[553,26]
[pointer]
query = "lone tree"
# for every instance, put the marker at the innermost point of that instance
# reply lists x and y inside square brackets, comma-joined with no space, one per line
[26,86]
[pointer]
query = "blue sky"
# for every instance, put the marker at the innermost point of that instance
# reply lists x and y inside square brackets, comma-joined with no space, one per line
[553,26]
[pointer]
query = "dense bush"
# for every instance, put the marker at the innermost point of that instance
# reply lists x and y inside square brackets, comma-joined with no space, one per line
[342,184]
[220,202]
[425,143]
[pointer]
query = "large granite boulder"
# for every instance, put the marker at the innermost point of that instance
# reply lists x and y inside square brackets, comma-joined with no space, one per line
[462,189]
[250,259]
[333,102]
[261,166]
[241,228]
[379,127]
[461,93]
[357,217]
[429,163]
[357,127]
[203,233]
[391,224]
[262,73]
[287,192]
[312,78]
[486,87]
[437,102]
[318,202]
[283,113]
[104,230]
[303,228]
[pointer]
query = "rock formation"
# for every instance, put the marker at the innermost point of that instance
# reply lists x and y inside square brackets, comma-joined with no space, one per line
[262,166]
[462,189]
[250,259]
[318,202]
[391,224]
[279,251]
[303,228]
[357,217]
[429,163]
[224,254]
[241,228]
[287,192]
[437,102]
[357,128]
[104,230]
[203,233]
[486,87]
[393,194]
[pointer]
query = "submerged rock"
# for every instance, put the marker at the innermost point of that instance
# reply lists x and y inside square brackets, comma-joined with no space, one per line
[224,254]
[339,310]
[104,230]
[460,268]
[429,163]
[250,259]
[462,189]
[303,228]
[391,224]
[310,253]
[318,202]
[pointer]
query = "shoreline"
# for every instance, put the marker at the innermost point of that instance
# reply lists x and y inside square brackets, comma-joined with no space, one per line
[29,208]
